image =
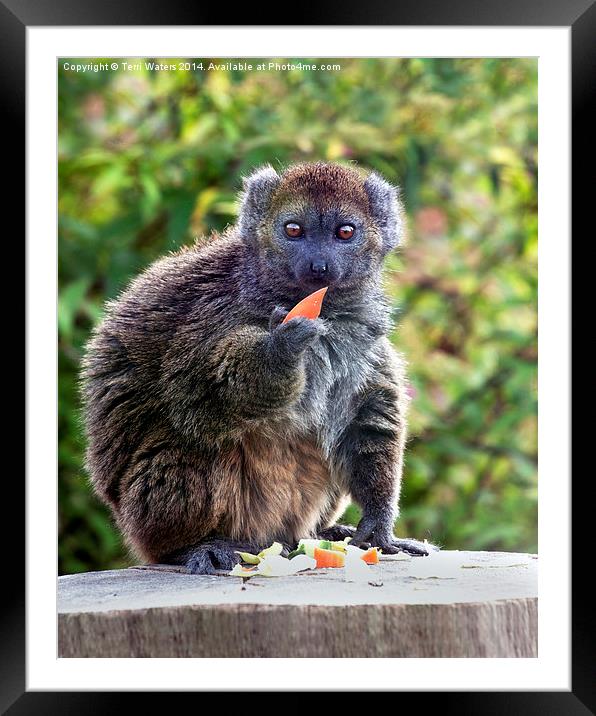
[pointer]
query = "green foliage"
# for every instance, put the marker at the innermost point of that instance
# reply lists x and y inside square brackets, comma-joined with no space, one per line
[149,160]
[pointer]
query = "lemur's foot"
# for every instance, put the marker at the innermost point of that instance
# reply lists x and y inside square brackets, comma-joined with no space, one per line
[395,546]
[216,554]
[211,556]
[409,546]
[379,532]
[338,532]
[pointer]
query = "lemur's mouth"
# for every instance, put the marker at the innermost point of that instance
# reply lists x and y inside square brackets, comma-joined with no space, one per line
[324,278]
[319,281]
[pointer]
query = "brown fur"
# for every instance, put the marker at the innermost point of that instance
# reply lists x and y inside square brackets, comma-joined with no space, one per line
[245,496]
[322,185]
[257,481]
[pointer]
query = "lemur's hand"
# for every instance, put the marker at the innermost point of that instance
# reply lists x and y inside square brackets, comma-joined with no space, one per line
[277,316]
[379,533]
[290,340]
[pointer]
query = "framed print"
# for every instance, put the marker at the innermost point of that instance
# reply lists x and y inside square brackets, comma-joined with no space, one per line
[243,238]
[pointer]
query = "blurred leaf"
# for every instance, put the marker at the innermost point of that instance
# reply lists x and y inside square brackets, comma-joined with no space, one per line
[71,298]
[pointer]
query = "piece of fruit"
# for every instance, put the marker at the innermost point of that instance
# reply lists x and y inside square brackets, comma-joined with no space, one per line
[340,546]
[277,566]
[309,307]
[308,545]
[240,571]
[354,552]
[249,558]
[356,570]
[274,565]
[371,556]
[299,550]
[275,549]
[329,558]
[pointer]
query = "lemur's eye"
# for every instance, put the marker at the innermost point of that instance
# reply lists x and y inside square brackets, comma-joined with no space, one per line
[345,232]
[293,230]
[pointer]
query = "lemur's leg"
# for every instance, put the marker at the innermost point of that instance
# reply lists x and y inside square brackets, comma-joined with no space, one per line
[372,449]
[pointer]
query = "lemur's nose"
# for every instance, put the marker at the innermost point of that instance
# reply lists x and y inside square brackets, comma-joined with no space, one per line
[319,268]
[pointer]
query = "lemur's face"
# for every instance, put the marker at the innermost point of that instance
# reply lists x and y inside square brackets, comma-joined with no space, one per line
[320,225]
[322,246]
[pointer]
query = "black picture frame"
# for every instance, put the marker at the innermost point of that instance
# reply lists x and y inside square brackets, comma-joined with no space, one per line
[579,15]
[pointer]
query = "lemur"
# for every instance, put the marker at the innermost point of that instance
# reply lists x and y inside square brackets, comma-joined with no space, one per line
[213,426]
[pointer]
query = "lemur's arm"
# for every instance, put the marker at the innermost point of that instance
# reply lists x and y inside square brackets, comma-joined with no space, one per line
[256,372]
[247,375]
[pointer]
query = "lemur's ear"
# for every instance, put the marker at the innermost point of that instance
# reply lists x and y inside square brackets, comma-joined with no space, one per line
[386,209]
[256,197]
